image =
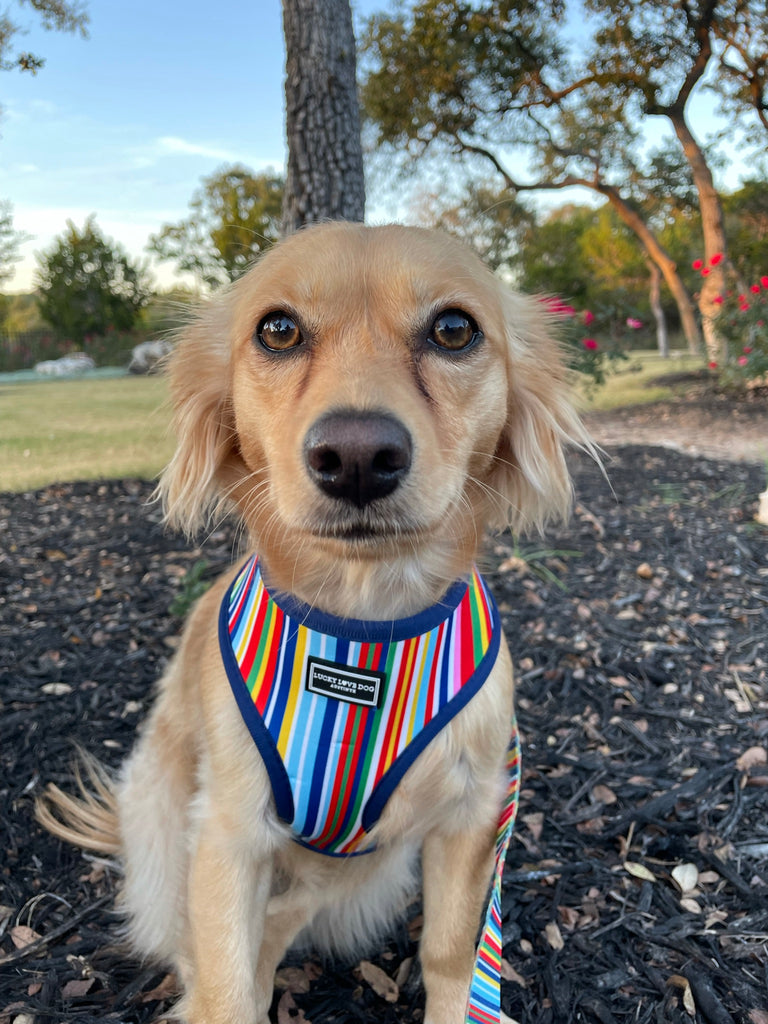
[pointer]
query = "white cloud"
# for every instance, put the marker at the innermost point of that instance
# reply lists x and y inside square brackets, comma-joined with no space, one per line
[173,144]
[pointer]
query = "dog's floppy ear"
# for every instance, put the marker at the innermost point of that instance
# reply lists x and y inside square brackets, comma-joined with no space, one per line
[530,473]
[200,373]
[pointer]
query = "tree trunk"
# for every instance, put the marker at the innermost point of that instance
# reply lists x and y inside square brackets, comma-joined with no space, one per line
[713,231]
[663,261]
[324,179]
[654,295]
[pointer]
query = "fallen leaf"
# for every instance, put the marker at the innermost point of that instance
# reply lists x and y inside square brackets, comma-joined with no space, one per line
[379,980]
[77,988]
[751,757]
[711,877]
[644,571]
[758,1016]
[553,935]
[603,794]
[403,971]
[22,935]
[678,981]
[509,973]
[294,979]
[56,689]
[167,989]
[686,876]
[639,871]
[534,823]
[690,905]
[569,916]
[288,1012]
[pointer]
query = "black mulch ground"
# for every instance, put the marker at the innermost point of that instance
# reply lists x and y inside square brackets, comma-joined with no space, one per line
[641,640]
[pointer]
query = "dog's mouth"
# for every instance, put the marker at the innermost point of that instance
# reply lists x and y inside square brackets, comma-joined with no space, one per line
[367,529]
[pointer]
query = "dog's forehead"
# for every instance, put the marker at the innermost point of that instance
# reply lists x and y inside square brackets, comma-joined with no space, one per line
[340,266]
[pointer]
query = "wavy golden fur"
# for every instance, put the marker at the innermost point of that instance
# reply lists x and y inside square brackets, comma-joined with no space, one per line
[402,333]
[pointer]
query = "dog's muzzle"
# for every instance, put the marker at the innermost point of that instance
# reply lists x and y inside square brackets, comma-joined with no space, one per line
[357,456]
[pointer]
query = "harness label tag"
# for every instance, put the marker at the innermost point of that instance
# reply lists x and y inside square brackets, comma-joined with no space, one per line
[353,685]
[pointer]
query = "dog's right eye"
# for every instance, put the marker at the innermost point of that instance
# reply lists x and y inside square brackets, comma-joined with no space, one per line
[279,332]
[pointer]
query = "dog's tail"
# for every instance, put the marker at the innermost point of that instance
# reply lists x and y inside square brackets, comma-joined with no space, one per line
[88,819]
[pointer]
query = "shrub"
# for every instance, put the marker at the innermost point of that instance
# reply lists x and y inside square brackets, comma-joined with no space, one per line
[742,324]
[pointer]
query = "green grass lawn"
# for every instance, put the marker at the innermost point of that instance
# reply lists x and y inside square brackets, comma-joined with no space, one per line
[636,381]
[61,430]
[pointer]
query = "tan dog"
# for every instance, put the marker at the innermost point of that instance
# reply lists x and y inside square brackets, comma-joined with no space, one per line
[367,400]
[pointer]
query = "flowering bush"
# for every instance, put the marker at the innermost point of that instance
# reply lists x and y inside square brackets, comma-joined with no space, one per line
[584,352]
[742,323]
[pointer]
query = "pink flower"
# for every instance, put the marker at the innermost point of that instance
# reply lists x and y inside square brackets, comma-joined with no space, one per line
[705,271]
[718,299]
[589,343]
[556,305]
[742,298]
[764,281]
[712,365]
[715,259]
[634,324]
[588,317]
[754,288]
[743,360]
[697,264]
[744,307]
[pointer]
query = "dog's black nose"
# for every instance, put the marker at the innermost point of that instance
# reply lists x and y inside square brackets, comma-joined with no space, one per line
[357,456]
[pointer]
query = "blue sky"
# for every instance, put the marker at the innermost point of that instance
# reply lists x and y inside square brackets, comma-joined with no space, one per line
[124,123]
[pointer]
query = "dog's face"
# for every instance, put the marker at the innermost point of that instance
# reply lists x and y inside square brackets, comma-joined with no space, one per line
[368,393]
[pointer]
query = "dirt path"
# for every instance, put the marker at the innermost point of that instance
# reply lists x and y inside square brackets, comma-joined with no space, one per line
[708,425]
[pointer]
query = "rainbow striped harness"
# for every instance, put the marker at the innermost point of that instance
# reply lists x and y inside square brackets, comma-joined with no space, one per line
[340,708]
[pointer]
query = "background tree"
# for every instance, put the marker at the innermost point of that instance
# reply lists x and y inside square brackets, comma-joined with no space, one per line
[488,219]
[87,284]
[499,74]
[478,80]
[234,217]
[63,15]
[10,240]
[325,158]
[746,218]
[741,27]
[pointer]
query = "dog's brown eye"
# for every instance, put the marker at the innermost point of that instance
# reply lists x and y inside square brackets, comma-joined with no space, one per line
[454,331]
[279,332]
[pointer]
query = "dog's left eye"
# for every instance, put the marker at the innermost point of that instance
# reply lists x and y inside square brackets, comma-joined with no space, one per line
[454,331]
[279,332]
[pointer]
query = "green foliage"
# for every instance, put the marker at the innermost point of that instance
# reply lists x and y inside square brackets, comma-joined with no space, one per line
[234,217]
[746,216]
[193,586]
[21,314]
[491,221]
[62,15]
[88,286]
[742,324]
[10,240]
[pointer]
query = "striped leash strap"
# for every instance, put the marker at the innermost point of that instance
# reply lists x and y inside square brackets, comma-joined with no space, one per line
[484,1002]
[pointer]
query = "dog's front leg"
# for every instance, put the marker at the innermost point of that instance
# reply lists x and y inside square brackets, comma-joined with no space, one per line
[228,895]
[457,869]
